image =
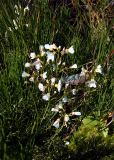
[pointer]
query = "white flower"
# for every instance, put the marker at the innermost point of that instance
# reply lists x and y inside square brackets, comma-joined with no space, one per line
[41,87]
[67,143]
[66,118]
[27,25]
[53,81]
[76,113]
[98,69]
[83,72]
[41,48]
[73,66]
[59,85]
[50,56]
[47,46]
[50,47]
[66,85]
[27,65]
[74,91]
[91,83]
[71,50]
[56,123]
[32,55]
[44,75]
[25,74]
[65,99]
[46,97]
[38,66]
[60,105]
[31,79]
[55,109]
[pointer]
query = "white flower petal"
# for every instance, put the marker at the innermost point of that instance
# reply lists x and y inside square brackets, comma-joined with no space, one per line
[60,105]
[32,55]
[71,50]
[73,66]
[91,83]
[67,143]
[50,56]
[56,123]
[25,74]
[98,69]
[74,91]
[65,99]
[59,85]
[38,66]
[53,81]
[27,65]
[46,97]
[47,46]
[55,110]
[41,87]
[44,75]
[31,79]
[66,118]
[76,113]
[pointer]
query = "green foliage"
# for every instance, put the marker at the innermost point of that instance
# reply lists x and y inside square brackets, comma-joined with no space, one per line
[91,141]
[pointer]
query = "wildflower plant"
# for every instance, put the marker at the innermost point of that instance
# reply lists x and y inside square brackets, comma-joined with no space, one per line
[59,81]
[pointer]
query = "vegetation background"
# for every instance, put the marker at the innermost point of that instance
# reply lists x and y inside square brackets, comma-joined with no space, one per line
[25,131]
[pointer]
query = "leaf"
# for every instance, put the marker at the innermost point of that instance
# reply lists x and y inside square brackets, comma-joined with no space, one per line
[90,121]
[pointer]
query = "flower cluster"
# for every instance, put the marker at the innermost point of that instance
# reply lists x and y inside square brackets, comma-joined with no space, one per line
[51,72]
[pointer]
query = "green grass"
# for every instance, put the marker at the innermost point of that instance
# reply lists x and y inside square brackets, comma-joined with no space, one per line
[26,130]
